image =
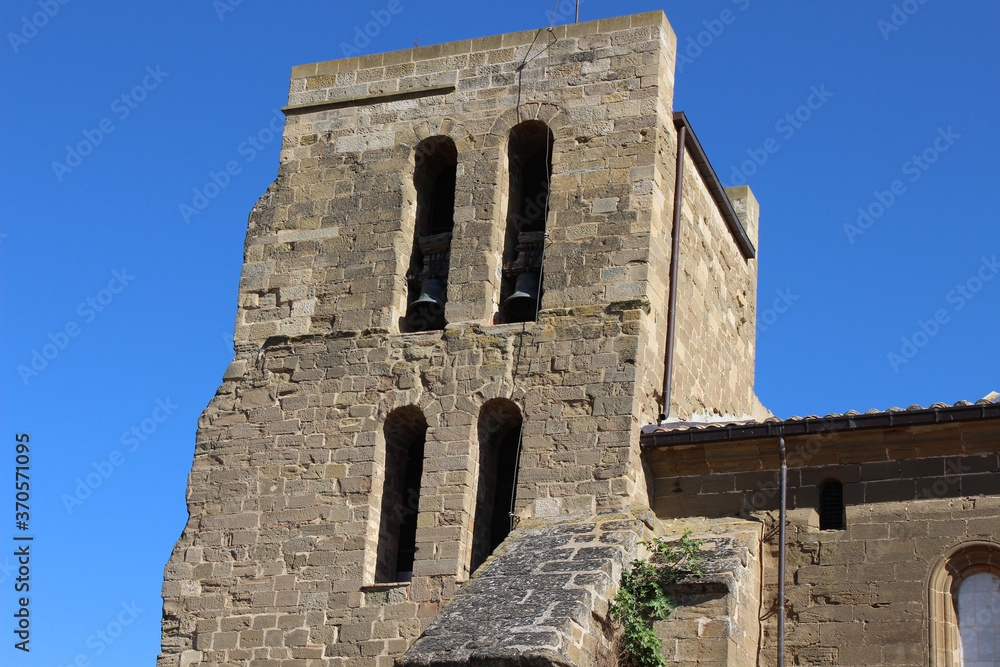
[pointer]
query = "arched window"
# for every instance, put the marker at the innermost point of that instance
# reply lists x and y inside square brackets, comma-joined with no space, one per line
[436,162]
[529,162]
[978,606]
[405,431]
[964,598]
[831,506]
[499,437]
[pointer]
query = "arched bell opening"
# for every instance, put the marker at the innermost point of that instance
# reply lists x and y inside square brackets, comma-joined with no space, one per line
[529,161]
[436,163]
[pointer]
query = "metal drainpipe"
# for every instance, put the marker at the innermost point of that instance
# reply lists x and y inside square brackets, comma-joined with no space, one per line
[675,247]
[781,552]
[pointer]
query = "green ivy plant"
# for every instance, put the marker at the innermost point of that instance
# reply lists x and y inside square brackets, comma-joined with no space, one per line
[641,599]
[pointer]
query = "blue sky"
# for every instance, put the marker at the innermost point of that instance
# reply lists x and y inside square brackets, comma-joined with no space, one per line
[866,129]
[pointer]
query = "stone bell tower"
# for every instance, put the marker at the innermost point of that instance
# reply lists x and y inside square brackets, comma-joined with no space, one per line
[452,319]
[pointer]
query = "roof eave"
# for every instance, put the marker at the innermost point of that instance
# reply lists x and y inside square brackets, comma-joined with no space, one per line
[818,425]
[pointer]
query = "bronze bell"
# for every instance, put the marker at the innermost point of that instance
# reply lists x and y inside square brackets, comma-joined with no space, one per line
[522,305]
[426,313]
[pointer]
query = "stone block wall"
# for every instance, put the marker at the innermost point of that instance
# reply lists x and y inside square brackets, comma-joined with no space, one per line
[285,492]
[715,346]
[716,620]
[327,248]
[277,564]
[858,596]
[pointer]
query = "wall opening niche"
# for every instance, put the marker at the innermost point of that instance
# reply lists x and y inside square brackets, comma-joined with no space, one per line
[831,505]
[405,432]
[499,437]
[435,166]
[529,165]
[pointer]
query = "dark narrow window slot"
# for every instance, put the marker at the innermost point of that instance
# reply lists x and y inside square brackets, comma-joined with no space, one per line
[408,528]
[499,438]
[831,506]
[504,494]
[405,434]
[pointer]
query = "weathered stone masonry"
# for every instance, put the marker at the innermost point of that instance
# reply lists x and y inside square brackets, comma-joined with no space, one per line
[920,505]
[277,564]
